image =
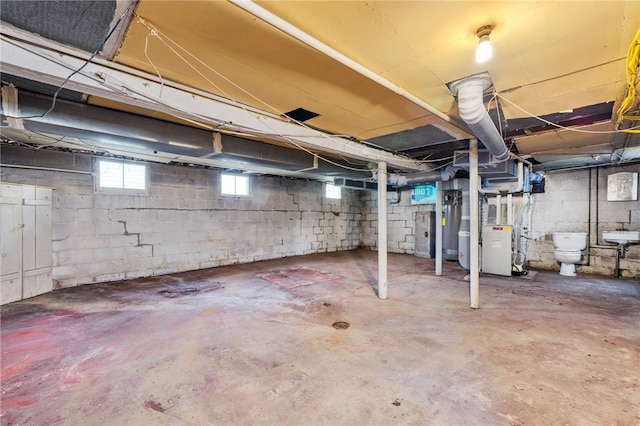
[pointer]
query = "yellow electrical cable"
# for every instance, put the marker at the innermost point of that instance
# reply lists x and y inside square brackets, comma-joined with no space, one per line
[631,70]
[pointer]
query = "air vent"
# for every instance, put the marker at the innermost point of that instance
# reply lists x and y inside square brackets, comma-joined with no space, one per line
[487,166]
[461,159]
[301,114]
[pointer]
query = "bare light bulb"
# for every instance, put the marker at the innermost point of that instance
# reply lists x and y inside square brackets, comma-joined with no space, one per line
[484,51]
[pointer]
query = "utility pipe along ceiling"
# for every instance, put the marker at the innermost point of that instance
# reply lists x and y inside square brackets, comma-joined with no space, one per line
[321,89]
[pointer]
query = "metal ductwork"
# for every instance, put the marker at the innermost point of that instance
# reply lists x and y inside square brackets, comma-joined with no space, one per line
[469,94]
[417,178]
[100,124]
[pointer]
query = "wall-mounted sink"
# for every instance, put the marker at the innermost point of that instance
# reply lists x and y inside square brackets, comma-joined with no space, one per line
[621,237]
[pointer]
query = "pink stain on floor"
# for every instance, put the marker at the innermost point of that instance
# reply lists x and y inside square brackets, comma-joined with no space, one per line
[298,277]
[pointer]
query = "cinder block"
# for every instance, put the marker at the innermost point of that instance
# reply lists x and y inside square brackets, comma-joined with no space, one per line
[63,215]
[91,241]
[63,272]
[404,248]
[141,273]
[137,252]
[74,257]
[61,231]
[127,215]
[109,254]
[73,201]
[108,228]
[90,215]
[62,244]
[115,276]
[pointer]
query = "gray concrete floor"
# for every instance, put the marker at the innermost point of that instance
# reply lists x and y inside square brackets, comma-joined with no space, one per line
[256,344]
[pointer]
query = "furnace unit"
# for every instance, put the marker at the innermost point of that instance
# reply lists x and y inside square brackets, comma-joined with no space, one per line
[497,250]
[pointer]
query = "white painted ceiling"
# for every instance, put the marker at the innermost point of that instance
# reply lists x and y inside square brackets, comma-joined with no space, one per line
[551,59]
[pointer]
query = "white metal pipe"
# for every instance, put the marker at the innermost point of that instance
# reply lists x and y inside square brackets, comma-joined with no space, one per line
[48,169]
[297,33]
[382,230]
[474,269]
[520,184]
[438,227]
[509,209]
[498,209]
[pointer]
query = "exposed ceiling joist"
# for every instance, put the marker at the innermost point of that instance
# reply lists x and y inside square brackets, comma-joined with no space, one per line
[44,64]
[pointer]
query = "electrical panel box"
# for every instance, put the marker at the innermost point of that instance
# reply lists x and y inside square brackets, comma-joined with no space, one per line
[497,249]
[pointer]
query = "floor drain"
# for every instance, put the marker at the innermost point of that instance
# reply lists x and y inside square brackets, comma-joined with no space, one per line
[340,325]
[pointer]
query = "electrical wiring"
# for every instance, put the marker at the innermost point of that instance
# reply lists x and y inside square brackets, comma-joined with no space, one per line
[631,71]
[40,146]
[436,160]
[494,98]
[87,62]
[146,55]
[571,129]
[287,139]
[164,38]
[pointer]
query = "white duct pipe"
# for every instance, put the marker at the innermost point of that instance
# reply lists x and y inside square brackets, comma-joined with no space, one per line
[474,262]
[498,209]
[382,230]
[509,209]
[469,93]
[307,39]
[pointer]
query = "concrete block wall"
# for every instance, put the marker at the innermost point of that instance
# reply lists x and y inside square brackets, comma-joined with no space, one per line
[401,221]
[576,201]
[182,224]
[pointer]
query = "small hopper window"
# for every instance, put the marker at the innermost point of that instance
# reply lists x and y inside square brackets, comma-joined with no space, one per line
[332,191]
[121,175]
[234,185]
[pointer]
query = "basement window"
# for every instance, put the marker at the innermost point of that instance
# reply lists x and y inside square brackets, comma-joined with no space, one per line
[117,174]
[234,185]
[332,191]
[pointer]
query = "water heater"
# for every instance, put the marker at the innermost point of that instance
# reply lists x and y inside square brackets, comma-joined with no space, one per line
[451,217]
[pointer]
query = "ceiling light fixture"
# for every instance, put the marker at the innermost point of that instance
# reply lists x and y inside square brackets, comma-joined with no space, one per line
[484,51]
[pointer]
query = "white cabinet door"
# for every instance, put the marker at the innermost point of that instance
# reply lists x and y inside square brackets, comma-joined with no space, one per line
[10,288]
[25,241]
[36,242]
[10,243]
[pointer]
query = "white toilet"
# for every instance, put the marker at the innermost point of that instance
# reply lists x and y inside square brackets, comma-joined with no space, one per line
[568,250]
